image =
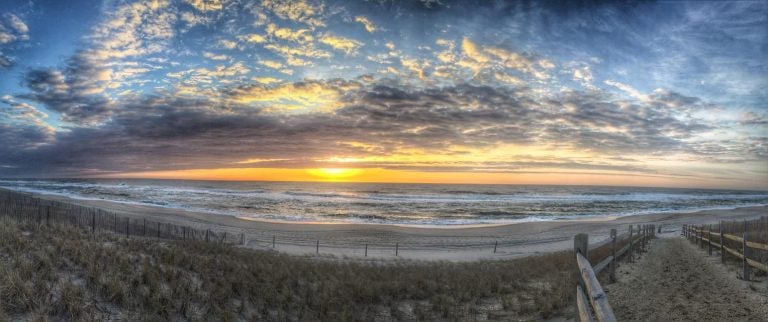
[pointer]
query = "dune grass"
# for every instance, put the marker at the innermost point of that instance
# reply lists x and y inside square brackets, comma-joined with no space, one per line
[62,272]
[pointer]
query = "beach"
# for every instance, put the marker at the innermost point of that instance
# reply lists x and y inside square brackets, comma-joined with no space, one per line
[489,242]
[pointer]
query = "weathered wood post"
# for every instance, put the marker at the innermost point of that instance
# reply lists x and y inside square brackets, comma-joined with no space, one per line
[366,250]
[242,239]
[612,272]
[495,245]
[745,251]
[581,246]
[207,232]
[645,237]
[273,241]
[397,247]
[709,242]
[630,251]
[317,247]
[698,236]
[93,223]
[722,244]
[224,238]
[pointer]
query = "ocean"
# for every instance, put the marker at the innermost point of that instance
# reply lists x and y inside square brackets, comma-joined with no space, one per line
[404,204]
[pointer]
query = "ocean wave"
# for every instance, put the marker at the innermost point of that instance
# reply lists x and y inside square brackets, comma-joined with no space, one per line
[393,204]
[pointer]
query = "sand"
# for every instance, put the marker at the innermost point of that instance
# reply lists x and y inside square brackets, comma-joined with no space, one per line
[454,244]
[676,281]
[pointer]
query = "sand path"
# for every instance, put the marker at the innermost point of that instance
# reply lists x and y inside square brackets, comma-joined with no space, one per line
[674,281]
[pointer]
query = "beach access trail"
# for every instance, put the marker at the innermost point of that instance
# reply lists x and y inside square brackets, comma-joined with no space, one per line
[674,281]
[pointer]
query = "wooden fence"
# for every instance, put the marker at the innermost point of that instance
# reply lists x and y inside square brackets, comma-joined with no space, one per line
[41,212]
[746,240]
[590,297]
[28,208]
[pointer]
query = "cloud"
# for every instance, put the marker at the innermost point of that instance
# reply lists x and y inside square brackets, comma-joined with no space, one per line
[304,97]
[367,24]
[316,120]
[266,80]
[17,24]
[301,36]
[306,50]
[489,60]
[213,56]
[628,89]
[583,75]
[206,5]
[228,44]
[347,45]
[276,65]
[12,32]
[296,10]
[254,38]
[72,93]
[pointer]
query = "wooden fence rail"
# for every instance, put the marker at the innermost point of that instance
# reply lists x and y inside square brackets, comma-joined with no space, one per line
[705,236]
[590,297]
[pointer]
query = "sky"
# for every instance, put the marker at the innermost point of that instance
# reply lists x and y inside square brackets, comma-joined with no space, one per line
[641,93]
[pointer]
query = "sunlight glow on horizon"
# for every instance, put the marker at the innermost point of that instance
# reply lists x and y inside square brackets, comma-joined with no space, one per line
[378,175]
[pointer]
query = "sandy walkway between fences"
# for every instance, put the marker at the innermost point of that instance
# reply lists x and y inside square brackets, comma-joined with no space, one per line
[674,281]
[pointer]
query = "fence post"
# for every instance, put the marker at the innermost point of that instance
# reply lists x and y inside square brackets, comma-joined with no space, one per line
[397,246]
[93,222]
[709,243]
[745,252]
[366,250]
[612,272]
[581,245]
[317,247]
[645,236]
[698,236]
[722,244]
[242,239]
[206,234]
[273,241]
[496,244]
[48,215]
[631,255]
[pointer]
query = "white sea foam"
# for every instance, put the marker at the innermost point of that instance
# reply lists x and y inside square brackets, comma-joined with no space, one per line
[420,205]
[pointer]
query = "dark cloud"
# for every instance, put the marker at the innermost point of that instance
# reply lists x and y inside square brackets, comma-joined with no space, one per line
[162,132]
[72,93]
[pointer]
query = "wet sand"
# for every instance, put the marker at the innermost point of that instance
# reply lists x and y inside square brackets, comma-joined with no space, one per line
[384,241]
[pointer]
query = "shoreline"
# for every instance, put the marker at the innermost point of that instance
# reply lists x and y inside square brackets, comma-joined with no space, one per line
[420,243]
[586,218]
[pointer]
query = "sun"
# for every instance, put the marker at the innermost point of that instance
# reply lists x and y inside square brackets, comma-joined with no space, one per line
[334,173]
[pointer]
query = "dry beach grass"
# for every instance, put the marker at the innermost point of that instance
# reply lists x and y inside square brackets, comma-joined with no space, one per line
[64,273]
